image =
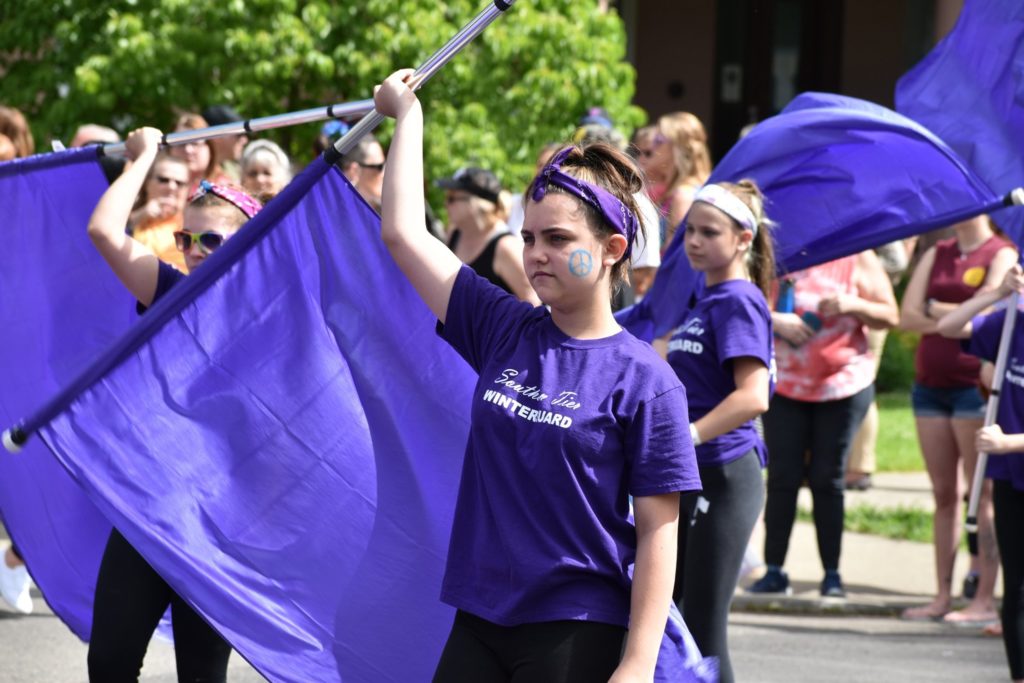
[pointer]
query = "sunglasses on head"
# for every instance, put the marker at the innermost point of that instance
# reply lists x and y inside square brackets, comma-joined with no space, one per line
[207,241]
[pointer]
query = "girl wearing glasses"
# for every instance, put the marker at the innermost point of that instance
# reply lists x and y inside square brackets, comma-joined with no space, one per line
[478,234]
[570,417]
[159,208]
[675,159]
[130,596]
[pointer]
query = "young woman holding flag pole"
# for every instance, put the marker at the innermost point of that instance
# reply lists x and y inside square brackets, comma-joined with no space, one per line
[570,415]
[998,337]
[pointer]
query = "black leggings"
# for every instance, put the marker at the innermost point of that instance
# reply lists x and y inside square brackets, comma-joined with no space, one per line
[1009,506]
[547,652]
[130,599]
[826,430]
[714,529]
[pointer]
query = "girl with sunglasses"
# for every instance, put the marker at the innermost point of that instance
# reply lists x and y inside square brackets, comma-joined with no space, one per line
[159,208]
[130,596]
[674,156]
[723,353]
[570,417]
[478,234]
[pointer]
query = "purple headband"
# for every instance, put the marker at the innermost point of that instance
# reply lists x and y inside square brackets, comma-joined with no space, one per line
[239,199]
[614,211]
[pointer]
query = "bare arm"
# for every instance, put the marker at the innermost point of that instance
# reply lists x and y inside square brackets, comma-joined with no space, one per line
[957,325]
[430,266]
[682,199]
[912,313]
[508,264]
[994,441]
[874,304]
[657,521]
[791,328]
[748,400]
[134,265]
[1001,263]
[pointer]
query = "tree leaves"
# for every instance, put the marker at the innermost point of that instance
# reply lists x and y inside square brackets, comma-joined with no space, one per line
[523,83]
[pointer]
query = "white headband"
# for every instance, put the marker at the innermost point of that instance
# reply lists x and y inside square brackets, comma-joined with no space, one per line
[729,204]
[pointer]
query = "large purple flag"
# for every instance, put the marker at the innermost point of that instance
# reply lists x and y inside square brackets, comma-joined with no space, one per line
[841,175]
[59,307]
[281,437]
[263,437]
[969,91]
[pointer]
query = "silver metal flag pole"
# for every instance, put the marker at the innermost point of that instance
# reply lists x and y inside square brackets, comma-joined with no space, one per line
[991,411]
[426,71]
[14,437]
[1014,198]
[334,111]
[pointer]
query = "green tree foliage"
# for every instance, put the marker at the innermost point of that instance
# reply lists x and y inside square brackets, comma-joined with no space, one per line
[125,63]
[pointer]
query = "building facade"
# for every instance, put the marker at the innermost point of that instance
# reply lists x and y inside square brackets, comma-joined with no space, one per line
[734,62]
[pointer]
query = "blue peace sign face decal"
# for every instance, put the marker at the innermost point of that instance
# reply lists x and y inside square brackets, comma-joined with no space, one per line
[581,263]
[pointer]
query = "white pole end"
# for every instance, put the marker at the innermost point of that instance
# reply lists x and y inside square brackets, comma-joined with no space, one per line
[9,443]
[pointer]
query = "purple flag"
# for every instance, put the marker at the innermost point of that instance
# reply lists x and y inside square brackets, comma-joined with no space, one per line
[281,437]
[841,175]
[59,307]
[969,91]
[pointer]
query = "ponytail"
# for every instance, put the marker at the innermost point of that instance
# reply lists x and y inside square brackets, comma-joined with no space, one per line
[761,255]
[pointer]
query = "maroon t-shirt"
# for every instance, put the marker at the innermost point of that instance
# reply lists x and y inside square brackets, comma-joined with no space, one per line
[940,362]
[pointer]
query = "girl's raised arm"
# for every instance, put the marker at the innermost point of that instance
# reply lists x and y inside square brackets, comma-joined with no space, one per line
[957,325]
[430,266]
[135,266]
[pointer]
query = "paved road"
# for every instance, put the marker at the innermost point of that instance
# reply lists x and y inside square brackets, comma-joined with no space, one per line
[767,649]
[38,648]
[846,649]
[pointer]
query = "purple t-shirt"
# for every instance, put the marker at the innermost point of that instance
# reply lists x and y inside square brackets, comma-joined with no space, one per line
[729,320]
[166,277]
[562,431]
[984,343]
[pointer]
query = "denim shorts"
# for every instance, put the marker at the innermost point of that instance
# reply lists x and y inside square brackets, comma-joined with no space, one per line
[955,402]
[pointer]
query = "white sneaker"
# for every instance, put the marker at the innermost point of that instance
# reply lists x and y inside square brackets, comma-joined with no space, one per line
[14,587]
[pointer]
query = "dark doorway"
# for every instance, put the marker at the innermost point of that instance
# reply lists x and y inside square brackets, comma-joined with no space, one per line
[768,51]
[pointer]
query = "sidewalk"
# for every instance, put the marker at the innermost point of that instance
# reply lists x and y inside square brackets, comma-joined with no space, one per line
[882,576]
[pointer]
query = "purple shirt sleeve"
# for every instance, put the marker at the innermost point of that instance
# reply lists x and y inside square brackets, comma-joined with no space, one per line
[480,317]
[659,447]
[985,333]
[166,277]
[744,329]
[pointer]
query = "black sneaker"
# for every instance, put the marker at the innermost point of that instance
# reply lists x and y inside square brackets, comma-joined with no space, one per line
[832,587]
[970,586]
[773,581]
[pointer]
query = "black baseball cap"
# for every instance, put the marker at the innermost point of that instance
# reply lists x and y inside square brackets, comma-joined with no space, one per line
[476,181]
[220,114]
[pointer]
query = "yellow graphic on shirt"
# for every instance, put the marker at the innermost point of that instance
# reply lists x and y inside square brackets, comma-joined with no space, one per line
[973,277]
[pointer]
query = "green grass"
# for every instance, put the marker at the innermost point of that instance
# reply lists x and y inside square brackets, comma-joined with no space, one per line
[897,439]
[902,522]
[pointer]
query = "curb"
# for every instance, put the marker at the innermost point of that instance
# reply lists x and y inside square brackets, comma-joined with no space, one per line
[853,605]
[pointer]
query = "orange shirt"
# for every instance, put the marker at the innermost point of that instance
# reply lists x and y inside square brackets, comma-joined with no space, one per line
[158,235]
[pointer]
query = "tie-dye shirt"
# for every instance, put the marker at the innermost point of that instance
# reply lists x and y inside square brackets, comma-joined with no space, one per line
[835,363]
